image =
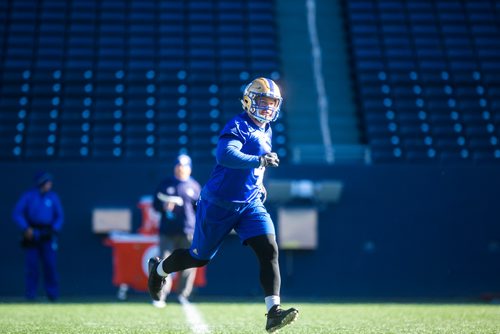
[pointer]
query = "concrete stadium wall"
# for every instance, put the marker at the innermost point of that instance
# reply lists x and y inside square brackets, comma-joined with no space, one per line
[397,232]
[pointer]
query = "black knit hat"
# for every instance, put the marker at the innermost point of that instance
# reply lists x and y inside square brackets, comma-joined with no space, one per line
[42,177]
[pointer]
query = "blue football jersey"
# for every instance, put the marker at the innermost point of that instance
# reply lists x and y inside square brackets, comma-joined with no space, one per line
[241,184]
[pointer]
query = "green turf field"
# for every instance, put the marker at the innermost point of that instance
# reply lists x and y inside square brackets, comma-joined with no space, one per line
[348,318]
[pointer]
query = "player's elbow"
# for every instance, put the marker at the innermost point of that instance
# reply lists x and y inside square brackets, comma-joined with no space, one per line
[223,156]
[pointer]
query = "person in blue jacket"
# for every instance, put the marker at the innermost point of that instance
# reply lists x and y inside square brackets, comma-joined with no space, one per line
[175,199]
[39,215]
[233,199]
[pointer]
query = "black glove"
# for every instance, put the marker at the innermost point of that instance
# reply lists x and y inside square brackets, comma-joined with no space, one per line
[269,160]
[27,243]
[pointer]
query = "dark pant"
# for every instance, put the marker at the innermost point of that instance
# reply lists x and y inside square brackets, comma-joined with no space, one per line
[44,251]
[167,245]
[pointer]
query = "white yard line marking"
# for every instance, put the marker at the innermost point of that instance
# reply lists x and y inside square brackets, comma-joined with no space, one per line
[194,318]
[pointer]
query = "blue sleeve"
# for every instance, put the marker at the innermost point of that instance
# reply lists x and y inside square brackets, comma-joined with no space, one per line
[18,213]
[229,154]
[59,214]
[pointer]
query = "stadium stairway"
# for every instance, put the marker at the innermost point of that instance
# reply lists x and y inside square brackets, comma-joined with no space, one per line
[308,141]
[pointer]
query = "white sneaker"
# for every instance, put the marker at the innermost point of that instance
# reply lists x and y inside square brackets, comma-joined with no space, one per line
[159,303]
[183,300]
[122,292]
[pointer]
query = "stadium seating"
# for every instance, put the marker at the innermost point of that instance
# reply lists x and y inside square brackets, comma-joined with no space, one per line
[136,79]
[427,77]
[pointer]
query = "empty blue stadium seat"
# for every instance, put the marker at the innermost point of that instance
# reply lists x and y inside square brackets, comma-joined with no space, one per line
[133,86]
[426,74]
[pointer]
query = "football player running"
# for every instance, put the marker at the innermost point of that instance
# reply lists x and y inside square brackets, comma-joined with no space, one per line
[233,199]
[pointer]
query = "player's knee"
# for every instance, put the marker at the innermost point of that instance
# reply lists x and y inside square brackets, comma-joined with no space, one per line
[265,247]
[272,245]
[273,252]
[200,263]
[197,262]
[185,257]
[269,251]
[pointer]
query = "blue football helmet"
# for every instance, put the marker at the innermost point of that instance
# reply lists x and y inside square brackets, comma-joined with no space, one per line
[262,100]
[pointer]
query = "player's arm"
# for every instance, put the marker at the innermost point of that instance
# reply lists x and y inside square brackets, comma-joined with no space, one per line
[229,155]
[158,204]
[170,199]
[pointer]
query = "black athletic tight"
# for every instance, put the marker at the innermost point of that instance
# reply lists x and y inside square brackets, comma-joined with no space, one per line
[179,260]
[266,249]
[264,246]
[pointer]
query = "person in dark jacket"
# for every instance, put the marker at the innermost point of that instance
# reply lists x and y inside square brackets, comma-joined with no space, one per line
[175,199]
[39,215]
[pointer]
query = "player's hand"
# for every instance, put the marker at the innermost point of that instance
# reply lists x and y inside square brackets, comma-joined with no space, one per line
[29,233]
[269,160]
[169,206]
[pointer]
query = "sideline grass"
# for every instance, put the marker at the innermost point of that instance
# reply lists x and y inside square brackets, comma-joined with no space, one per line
[249,318]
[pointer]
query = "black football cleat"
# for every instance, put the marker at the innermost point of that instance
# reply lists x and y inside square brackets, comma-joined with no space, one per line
[155,281]
[278,318]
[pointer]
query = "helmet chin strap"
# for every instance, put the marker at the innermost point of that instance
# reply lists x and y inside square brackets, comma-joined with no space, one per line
[265,121]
